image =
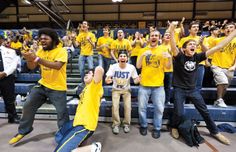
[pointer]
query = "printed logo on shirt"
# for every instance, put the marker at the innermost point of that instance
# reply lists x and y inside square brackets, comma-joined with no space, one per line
[153,61]
[229,48]
[121,78]
[190,66]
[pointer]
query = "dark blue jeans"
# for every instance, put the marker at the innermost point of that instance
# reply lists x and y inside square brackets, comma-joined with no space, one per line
[180,96]
[167,85]
[200,76]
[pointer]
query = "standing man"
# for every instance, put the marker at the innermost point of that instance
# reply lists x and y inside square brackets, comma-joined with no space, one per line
[120,44]
[86,40]
[184,82]
[104,49]
[153,61]
[120,74]
[8,64]
[223,65]
[201,46]
[52,85]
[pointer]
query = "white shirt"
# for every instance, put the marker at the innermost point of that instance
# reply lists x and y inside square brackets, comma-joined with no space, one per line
[121,77]
[10,59]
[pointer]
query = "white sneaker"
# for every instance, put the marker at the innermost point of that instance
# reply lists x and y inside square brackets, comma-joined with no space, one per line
[126,128]
[115,130]
[96,147]
[220,103]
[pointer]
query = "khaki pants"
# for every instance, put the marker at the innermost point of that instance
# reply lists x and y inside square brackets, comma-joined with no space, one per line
[115,107]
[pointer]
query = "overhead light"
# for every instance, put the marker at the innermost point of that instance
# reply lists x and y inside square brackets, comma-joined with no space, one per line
[26,2]
[117,0]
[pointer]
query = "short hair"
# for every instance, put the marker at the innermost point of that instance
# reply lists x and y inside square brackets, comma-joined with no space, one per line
[230,23]
[193,23]
[50,32]
[186,43]
[214,28]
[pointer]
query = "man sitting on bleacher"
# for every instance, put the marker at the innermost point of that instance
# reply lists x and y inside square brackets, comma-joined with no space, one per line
[186,62]
[52,85]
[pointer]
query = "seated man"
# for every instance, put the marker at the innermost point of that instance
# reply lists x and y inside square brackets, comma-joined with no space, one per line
[73,133]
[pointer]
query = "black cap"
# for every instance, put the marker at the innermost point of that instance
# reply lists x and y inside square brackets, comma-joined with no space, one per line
[123,52]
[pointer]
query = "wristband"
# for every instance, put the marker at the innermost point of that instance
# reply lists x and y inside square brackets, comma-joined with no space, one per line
[36,59]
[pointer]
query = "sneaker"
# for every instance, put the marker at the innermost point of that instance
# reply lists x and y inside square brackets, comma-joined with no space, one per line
[175,133]
[115,130]
[220,103]
[143,131]
[126,128]
[156,133]
[15,139]
[221,138]
[96,147]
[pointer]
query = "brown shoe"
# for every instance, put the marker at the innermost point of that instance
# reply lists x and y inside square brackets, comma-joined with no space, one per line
[175,133]
[221,138]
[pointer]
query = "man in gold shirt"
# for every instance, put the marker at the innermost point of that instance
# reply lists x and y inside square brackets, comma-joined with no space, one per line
[120,44]
[104,49]
[153,61]
[86,40]
[52,85]
[73,133]
[223,65]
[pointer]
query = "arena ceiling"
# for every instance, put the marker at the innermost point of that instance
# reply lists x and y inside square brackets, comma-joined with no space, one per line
[17,11]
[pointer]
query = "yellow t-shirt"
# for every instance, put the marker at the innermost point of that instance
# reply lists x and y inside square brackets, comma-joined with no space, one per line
[211,43]
[136,48]
[225,58]
[196,38]
[86,47]
[120,45]
[177,35]
[166,48]
[88,107]
[17,45]
[152,74]
[105,51]
[52,78]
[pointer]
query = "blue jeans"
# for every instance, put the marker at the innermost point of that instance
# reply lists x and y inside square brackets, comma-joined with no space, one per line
[69,137]
[200,76]
[82,59]
[104,62]
[167,85]
[157,95]
[38,96]
[180,96]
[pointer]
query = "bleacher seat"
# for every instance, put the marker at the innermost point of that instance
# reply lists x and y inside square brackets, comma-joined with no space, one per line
[28,77]
[23,88]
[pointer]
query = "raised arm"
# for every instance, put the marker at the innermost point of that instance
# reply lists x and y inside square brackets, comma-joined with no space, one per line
[174,49]
[98,74]
[222,44]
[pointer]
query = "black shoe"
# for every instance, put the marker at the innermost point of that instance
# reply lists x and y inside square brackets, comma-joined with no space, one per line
[143,131]
[15,120]
[156,134]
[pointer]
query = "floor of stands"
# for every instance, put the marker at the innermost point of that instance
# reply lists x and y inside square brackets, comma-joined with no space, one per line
[42,139]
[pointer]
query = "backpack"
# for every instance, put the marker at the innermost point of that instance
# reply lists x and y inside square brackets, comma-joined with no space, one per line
[188,130]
